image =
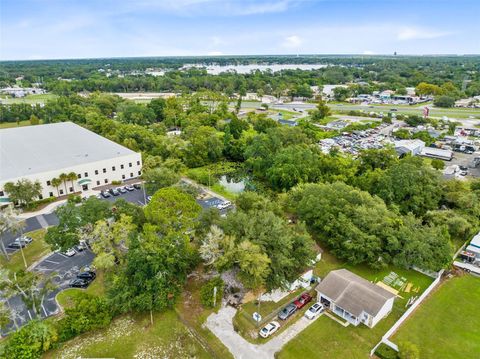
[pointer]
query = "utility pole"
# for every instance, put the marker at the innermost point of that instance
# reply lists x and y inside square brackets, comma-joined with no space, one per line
[214,297]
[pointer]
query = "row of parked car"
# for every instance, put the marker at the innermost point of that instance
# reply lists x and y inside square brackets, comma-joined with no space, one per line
[119,190]
[20,242]
[83,279]
[289,310]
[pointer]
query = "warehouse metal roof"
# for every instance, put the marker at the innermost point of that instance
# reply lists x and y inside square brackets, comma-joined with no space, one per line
[35,149]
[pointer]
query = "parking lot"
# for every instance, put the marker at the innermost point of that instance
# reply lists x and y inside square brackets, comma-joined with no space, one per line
[62,269]
[136,196]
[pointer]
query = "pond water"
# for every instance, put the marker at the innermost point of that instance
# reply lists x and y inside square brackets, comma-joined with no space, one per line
[231,185]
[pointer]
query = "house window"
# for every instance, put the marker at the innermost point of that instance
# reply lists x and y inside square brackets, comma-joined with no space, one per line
[138,163]
[48,183]
[98,183]
[2,194]
[104,170]
[96,172]
[106,180]
[122,166]
[86,174]
[51,194]
[79,175]
[123,176]
[130,164]
[139,173]
[71,189]
[61,191]
[40,197]
[113,168]
[131,174]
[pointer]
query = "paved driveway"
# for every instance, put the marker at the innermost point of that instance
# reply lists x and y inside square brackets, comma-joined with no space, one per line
[221,324]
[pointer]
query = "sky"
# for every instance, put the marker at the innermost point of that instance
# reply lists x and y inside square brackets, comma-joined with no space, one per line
[60,29]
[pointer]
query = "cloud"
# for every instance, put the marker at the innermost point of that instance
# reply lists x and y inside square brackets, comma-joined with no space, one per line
[292,42]
[214,7]
[418,33]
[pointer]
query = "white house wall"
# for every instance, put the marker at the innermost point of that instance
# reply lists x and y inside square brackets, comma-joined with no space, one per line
[386,309]
[99,179]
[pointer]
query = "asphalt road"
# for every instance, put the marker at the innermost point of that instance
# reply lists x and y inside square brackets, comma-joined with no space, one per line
[62,269]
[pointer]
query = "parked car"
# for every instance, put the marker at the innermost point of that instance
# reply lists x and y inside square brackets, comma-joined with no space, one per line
[269,329]
[21,242]
[87,275]
[314,310]
[224,205]
[463,168]
[302,300]
[287,311]
[79,283]
[137,186]
[129,188]
[105,194]
[114,192]
[80,247]
[70,252]
[121,190]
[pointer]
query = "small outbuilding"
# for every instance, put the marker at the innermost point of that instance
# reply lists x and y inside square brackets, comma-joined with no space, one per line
[354,299]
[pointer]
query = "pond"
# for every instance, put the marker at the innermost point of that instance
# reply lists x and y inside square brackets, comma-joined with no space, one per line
[232,185]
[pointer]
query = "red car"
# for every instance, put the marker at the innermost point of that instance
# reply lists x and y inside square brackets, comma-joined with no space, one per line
[302,300]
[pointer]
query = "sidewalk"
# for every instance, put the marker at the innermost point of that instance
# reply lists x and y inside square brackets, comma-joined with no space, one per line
[45,210]
[204,189]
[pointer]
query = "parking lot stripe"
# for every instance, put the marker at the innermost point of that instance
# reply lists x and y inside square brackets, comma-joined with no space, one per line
[44,311]
[28,311]
[49,261]
[42,221]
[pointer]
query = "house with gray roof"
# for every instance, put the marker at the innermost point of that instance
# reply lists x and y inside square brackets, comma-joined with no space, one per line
[354,299]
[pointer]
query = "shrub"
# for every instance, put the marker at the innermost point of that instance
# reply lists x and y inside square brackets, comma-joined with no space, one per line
[89,312]
[385,352]
[438,164]
[116,183]
[73,198]
[206,293]
[31,341]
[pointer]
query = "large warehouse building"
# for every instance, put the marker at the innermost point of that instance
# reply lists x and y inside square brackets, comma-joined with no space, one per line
[44,152]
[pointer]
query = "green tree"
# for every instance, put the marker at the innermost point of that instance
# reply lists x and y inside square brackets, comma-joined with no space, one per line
[9,222]
[205,146]
[172,209]
[408,350]
[444,101]
[56,182]
[31,341]
[158,178]
[321,111]
[72,177]
[208,295]
[23,191]
[438,164]
[64,178]
[34,120]
[158,107]
[154,274]
[341,93]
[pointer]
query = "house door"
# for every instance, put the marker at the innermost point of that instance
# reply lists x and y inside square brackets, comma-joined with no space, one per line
[85,187]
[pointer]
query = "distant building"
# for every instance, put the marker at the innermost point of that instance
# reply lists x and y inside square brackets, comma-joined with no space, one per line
[413,147]
[437,153]
[354,299]
[44,152]
[22,91]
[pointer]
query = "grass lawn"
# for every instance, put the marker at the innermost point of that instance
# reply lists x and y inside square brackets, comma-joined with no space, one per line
[30,99]
[33,252]
[132,336]
[326,338]
[218,188]
[65,297]
[286,115]
[193,315]
[15,124]
[446,324]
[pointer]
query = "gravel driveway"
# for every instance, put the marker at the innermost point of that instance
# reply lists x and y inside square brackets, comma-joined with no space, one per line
[221,324]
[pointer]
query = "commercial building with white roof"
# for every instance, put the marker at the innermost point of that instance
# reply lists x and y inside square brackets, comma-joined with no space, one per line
[43,152]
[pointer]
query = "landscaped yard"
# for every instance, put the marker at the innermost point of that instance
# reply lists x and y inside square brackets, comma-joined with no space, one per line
[32,252]
[446,325]
[132,336]
[326,338]
[30,99]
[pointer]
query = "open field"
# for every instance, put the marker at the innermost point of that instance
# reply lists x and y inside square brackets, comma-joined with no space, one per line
[15,124]
[408,110]
[132,336]
[446,324]
[326,338]
[29,99]
[33,252]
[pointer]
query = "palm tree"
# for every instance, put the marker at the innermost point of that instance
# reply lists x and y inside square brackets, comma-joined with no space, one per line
[55,183]
[72,176]
[64,178]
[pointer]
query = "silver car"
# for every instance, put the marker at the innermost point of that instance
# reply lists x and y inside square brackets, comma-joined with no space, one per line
[287,311]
